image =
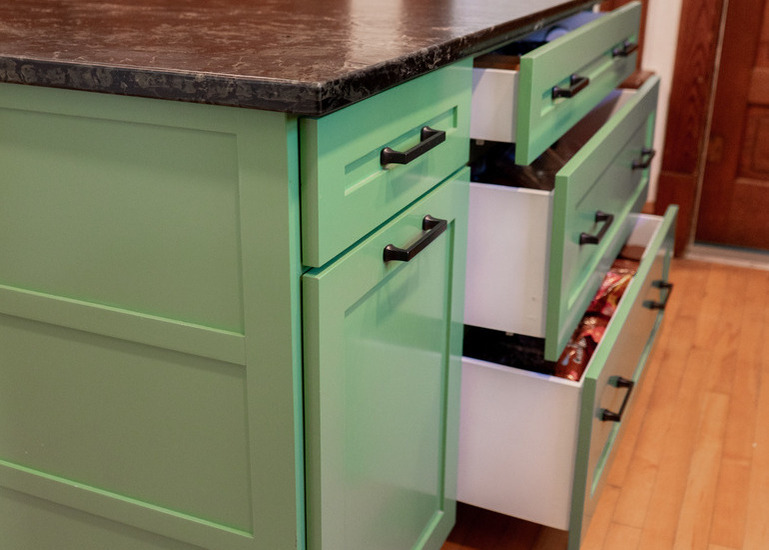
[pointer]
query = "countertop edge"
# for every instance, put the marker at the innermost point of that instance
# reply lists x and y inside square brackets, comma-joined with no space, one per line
[292,97]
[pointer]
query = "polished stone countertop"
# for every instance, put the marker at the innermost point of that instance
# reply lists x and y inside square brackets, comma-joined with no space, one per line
[307,57]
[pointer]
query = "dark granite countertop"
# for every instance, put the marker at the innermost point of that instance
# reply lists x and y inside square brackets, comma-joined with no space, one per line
[300,56]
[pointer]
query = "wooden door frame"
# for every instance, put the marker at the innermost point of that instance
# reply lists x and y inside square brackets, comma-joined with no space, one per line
[689,113]
[729,208]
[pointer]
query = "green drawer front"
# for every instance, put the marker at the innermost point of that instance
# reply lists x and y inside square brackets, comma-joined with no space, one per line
[601,177]
[623,352]
[382,366]
[586,52]
[346,192]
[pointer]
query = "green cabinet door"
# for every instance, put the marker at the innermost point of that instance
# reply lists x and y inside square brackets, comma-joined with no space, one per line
[382,366]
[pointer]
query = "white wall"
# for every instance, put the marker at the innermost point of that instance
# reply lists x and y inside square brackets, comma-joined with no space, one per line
[659,54]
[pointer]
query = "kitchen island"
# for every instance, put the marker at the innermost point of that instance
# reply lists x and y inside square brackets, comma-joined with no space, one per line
[202,344]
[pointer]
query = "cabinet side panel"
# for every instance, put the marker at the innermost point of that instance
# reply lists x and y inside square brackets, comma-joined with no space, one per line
[151,354]
[21,516]
[134,215]
[155,427]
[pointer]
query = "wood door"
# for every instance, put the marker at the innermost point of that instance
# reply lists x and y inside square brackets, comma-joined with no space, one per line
[734,207]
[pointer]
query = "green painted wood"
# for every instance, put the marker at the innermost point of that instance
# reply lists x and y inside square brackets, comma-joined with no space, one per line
[150,383]
[346,192]
[382,368]
[586,51]
[122,213]
[124,324]
[599,177]
[623,351]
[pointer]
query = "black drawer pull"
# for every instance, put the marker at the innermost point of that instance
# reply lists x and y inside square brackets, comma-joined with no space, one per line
[662,285]
[619,382]
[600,217]
[576,85]
[429,138]
[646,159]
[625,50]
[432,227]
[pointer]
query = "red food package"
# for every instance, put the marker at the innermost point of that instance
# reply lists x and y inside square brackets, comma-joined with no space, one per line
[582,344]
[574,359]
[577,353]
[593,327]
[613,287]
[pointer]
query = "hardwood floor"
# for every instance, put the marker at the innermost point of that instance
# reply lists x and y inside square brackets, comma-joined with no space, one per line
[692,471]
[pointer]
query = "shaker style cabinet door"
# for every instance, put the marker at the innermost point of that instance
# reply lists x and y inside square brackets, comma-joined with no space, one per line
[382,366]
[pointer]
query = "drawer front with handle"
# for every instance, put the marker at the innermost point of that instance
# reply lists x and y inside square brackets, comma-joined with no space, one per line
[533,102]
[618,366]
[365,163]
[594,192]
[563,80]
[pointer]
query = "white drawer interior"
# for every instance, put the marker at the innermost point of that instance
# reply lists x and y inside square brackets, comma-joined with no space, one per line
[519,430]
[495,90]
[518,442]
[509,237]
[494,111]
[507,258]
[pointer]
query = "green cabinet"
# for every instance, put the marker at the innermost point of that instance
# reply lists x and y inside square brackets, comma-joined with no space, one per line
[382,366]
[346,191]
[152,386]
[383,335]
[150,375]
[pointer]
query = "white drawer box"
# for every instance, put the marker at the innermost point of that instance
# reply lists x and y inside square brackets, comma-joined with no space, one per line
[494,113]
[534,446]
[507,258]
[555,84]
[527,270]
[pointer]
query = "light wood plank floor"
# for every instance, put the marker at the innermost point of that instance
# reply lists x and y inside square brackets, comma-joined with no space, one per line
[692,471]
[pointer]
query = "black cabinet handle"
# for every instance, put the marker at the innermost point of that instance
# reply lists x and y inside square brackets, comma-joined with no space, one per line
[625,49]
[432,227]
[619,382]
[576,85]
[600,217]
[646,159]
[662,285]
[429,138]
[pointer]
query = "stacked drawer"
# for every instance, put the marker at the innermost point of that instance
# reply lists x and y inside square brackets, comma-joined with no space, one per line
[533,445]
[384,222]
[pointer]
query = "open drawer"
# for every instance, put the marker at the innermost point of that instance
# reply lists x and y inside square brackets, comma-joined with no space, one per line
[556,85]
[537,256]
[536,446]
